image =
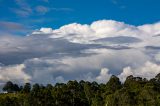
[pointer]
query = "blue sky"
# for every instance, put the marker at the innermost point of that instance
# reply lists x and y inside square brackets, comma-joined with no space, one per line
[56,13]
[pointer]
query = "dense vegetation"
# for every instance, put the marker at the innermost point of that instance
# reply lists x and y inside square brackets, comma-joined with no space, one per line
[135,91]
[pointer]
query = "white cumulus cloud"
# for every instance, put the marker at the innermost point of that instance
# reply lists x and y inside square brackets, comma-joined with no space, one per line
[81,51]
[148,70]
[14,73]
[104,75]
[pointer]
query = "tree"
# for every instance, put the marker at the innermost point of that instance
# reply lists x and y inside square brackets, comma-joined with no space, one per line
[113,84]
[157,77]
[16,88]
[88,92]
[49,87]
[9,87]
[135,91]
[26,88]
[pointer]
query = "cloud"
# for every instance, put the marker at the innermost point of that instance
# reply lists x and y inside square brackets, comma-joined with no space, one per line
[14,73]
[157,57]
[45,1]
[80,51]
[41,9]
[13,28]
[118,3]
[104,76]
[98,30]
[24,9]
[148,70]
[151,28]
[81,67]
[45,31]
[11,25]
[60,79]
[22,13]
[62,9]
[114,2]
[119,40]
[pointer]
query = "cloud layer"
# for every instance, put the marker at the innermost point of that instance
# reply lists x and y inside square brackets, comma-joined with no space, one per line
[90,52]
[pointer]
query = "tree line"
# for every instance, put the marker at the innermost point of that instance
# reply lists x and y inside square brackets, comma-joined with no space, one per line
[135,91]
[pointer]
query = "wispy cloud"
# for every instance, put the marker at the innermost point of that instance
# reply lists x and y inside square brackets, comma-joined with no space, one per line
[114,2]
[42,9]
[10,28]
[22,12]
[24,9]
[118,4]
[62,9]
[11,25]
[46,1]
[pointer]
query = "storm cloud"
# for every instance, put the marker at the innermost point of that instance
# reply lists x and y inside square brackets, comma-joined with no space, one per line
[90,52]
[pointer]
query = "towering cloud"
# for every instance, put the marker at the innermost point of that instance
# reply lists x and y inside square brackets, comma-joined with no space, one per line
[148,70]
[14,73]
[76,51]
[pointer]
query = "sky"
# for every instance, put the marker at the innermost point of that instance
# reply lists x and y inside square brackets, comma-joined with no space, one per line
[49,41]
[33,14]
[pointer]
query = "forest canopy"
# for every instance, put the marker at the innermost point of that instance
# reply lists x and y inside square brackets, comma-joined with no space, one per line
[135,91]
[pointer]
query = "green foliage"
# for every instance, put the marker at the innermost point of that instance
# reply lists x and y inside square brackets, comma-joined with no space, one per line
[135,91]
[26,88]
[10,87]
[113,84]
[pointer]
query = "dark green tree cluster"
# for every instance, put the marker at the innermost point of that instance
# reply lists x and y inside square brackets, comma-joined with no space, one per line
[10,87]
[135,91]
